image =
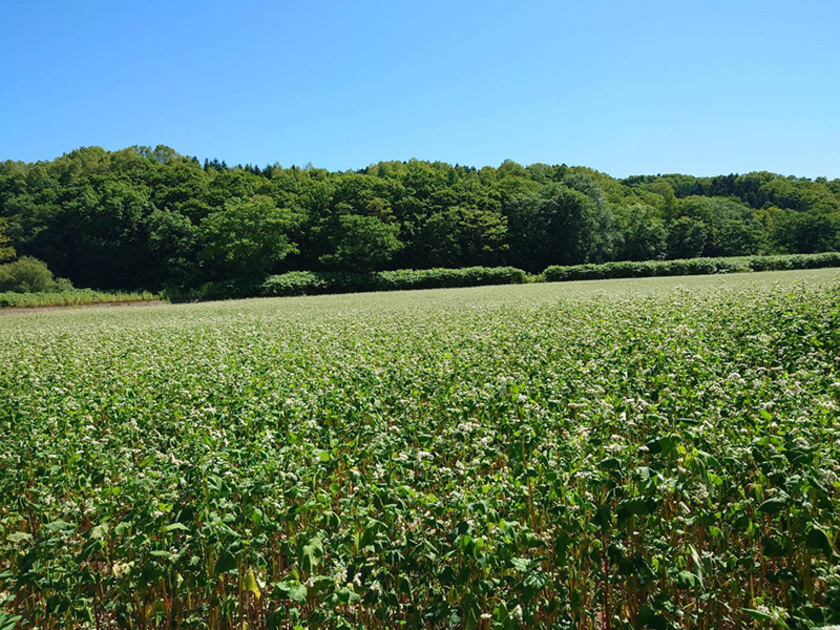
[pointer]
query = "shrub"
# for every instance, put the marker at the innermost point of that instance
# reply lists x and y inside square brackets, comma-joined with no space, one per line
[30,275]
[690,266]
[322,282]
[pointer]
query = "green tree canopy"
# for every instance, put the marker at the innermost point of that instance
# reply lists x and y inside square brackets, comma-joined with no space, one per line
[245,238]
[147,217]
[7,252]
[363,243]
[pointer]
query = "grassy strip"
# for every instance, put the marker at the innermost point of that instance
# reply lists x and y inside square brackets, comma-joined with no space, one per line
[691,266]
[73,297]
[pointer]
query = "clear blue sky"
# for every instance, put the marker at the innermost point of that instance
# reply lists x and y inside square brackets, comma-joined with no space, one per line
[703,87]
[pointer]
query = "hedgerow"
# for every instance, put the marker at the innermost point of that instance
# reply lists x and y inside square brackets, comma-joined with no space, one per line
[690,266]
[322,282]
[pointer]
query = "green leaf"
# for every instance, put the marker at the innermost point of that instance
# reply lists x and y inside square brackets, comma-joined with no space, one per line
[99,532]
[18,536]
[9,622]
[225,562]
[818,540]
[609,463]
[686,579]
[664,444]
[346,595]
[759,615]
[311,555]
[636,506]
[772,506]
[773,616]
[521,564]
[698,563]
[297,593]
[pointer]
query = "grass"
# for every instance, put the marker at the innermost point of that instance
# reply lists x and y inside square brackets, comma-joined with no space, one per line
[73,297]
[657,453]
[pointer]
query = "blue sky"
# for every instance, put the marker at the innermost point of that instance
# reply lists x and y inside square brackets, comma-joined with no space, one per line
[625,87]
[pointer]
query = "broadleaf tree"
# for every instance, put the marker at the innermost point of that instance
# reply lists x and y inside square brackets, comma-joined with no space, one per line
[245,238]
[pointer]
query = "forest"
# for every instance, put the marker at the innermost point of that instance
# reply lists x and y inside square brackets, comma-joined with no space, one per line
[150,218]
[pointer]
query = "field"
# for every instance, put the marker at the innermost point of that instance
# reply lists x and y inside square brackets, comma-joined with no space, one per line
[659,453]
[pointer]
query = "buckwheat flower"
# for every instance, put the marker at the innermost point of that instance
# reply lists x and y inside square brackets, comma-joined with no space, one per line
[829,477]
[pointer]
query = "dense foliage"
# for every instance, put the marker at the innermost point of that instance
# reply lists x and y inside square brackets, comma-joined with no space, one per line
[29,275]
[146,218]
[691,266]
[663,454]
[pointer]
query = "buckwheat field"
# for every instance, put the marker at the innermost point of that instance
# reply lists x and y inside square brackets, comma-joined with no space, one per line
[604,455]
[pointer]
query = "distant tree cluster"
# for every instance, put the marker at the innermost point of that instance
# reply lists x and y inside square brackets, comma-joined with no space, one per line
[144,218]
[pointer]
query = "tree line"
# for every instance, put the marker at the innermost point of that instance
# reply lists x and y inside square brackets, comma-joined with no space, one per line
[146,218]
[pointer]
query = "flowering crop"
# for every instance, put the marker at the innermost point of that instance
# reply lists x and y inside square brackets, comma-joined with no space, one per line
[606,455]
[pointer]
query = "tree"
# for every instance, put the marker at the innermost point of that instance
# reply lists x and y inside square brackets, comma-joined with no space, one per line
[555,226]
[732,228]
[644,234]
[246,238]
[807,232]
[7,252]
[362,243]
[464,236]
[687,238]
[172,242]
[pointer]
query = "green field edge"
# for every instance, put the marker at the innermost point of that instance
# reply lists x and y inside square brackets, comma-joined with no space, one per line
[77,297]
[307,283]
[303,283]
